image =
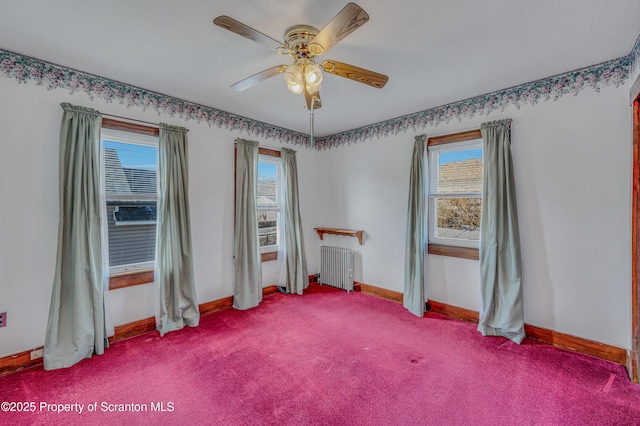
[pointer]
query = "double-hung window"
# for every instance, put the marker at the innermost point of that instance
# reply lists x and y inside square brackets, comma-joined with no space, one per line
[455,193]
[269,202]
[129,170]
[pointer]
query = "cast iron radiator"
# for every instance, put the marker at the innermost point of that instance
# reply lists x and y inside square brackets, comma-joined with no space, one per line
[336,267]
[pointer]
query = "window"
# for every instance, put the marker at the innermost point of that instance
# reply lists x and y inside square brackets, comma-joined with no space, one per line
[129,166]
[269,201]
[455,191]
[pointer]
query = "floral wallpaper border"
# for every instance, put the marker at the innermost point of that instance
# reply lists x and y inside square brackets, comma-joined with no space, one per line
[609,73]
[24,68]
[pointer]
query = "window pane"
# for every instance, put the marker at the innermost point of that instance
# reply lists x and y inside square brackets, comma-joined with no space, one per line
[131,243]
[458,171]
[268,203]
[267,187]
[458,218]
[129,168]
[268,228]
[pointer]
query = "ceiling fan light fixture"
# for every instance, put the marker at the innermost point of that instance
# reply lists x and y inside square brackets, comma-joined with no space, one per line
[293,75]
[313,75]
[295,88]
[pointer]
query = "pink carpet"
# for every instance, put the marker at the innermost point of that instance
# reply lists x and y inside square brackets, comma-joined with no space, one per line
[328,358]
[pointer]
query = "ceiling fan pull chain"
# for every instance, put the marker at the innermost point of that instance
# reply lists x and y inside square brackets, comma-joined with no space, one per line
[311,131]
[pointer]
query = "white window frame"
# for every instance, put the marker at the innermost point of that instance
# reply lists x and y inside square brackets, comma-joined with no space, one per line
[277,161]
[433,174]
[134,139]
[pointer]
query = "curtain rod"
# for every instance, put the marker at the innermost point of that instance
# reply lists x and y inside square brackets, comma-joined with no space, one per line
[275,148]
[131,119]
[468,129]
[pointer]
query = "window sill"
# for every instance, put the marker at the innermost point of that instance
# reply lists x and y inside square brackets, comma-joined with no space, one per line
[129,279]
[453,251]
[268,256]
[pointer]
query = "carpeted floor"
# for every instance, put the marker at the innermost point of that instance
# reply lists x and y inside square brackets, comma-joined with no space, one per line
[327,358]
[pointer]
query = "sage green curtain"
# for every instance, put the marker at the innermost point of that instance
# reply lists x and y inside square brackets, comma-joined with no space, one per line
[174,257]
[500,265]
[76,323]
[414,297]
[247,291]
[297,277]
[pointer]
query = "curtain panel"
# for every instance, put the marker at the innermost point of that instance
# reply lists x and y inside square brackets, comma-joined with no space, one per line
[247,291]
[297,276]
[416,234]
[502,311]
[174,257]
[76,325]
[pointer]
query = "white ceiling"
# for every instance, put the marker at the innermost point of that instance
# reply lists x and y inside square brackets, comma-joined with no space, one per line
[434,51]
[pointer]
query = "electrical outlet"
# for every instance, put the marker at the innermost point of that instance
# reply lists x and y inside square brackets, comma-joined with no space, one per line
[37,353]
[3,319]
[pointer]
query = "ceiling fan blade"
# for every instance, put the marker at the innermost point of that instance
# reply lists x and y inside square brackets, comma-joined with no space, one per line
[245,31]
[355,73]
[257,78]
[349,19]
[315,98]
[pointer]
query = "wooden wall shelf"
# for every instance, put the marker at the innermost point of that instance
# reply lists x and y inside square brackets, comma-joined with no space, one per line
[343,232]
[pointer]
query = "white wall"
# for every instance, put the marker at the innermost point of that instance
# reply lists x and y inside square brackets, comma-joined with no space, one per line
[573,173]
[572,160]
[30,122]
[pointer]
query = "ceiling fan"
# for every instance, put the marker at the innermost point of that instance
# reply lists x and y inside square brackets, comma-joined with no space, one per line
[304,43]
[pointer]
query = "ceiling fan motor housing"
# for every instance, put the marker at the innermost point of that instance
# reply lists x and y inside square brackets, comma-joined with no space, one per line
[297,39]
